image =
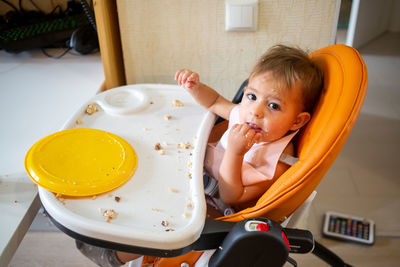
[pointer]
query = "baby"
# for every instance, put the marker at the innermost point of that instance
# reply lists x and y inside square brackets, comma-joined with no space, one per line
[281,92]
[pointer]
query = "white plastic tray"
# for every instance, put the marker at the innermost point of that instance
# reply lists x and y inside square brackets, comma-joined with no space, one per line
[161,189]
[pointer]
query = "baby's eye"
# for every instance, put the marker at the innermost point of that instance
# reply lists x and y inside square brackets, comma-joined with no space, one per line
[251,97]
[274,106]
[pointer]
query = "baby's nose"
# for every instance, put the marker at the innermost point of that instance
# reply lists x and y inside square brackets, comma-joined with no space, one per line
[257,111]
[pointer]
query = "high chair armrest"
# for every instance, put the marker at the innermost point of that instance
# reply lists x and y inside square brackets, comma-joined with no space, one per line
[300,241]
[214,232]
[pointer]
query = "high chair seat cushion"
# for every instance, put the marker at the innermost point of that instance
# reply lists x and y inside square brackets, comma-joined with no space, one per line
[319,143]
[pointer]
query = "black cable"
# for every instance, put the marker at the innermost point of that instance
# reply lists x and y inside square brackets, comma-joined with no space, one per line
[58,56]
[54,10]
[20,6]
[11,5]
[36,6]
[89,14]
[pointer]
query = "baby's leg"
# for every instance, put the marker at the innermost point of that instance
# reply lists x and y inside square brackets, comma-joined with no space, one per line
[125,256]
[105,257]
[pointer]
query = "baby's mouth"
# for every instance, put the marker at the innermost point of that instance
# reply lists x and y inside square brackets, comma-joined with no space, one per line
[254,127]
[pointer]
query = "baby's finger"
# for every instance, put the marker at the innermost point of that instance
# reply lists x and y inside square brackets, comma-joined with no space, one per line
[257,138]
[181,77]
[193,77]
[244,128]
[177,74]
[249,134]
[235,128]
[185,76]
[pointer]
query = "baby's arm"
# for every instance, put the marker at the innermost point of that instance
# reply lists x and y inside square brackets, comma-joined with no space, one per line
[231,189]
[204,95]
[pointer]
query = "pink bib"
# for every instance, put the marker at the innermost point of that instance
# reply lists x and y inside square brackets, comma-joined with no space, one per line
[259,162]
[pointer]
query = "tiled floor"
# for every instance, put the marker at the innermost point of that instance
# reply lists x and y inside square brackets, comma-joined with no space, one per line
[363,181]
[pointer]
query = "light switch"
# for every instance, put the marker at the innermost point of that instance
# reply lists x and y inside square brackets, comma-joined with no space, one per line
[241,15]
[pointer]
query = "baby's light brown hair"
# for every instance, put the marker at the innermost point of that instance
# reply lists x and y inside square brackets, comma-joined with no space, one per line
[290,65]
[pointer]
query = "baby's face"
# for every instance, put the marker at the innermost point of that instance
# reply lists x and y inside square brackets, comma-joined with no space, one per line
[269,109]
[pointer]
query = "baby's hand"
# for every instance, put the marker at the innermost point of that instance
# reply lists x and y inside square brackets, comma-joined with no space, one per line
[241,138]
[188,79]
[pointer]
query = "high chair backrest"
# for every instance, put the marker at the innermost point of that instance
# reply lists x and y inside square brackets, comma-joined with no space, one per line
[319,143]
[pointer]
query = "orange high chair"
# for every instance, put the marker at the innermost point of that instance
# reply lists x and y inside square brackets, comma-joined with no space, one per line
[318,145]
[255,236]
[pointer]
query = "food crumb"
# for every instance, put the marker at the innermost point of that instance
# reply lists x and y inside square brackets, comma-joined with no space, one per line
[155,209]
[79,122]
[172,190]
[190,164]
[110,214]
[118,199]
[169,230]
[94,197]
[167,117]
[162,152]
[177,103]
[186,145]
[157,146]
[91,109]
[15,201]
[185,215]
[164,223]
[189,175]
[60,198]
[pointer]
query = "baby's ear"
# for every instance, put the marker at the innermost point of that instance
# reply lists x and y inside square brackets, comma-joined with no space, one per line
[301,119]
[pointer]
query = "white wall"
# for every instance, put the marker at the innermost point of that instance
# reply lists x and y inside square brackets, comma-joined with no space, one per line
[372,19]
[158,39]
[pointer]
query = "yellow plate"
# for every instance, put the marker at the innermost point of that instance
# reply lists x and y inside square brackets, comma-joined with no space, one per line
[81,162]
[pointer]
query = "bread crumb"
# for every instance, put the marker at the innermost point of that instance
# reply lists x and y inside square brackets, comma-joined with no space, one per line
[79,122]
[189,175]
[167,117]
[164,223]
[172,190]
[190,164]
[157,146]
[155,209]
[162,152]
[94,197]
[169,230]
[185,215]
[91,109]
[60,198]
[177,103]
[118,199]
[186,145]
[110,214]
[190,205]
